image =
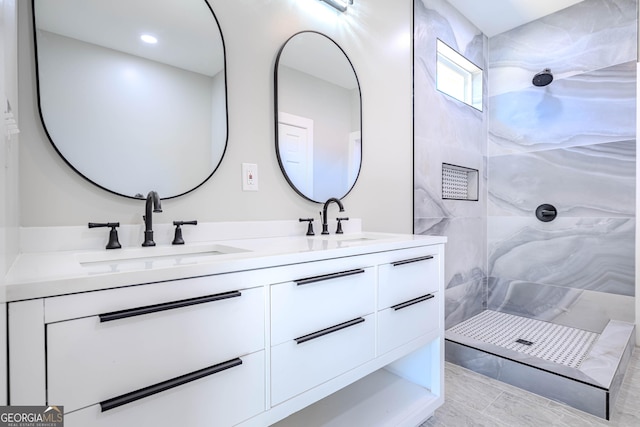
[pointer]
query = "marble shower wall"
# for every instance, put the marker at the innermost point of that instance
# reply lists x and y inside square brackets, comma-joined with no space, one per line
[448,131]
[570,144]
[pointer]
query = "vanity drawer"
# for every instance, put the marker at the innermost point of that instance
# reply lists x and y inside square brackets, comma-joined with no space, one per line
[407,278]
[297,366]
[401,323]
[313,303]
[98,357]
[224,398]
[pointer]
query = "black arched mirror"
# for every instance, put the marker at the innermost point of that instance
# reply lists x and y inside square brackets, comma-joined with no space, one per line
[132,93]
[318,117]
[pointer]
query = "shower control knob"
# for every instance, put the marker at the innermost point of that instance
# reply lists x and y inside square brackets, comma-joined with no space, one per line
[546,212]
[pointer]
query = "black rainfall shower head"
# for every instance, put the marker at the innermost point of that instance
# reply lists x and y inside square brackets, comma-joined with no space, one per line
[543,78]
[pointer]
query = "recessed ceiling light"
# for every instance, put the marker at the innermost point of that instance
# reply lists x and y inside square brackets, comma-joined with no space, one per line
[148,38]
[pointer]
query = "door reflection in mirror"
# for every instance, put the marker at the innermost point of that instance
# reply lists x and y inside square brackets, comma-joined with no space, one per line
[318,104]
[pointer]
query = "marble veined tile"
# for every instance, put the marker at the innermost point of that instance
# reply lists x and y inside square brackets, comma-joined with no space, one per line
[576,308]
[464,301]
[428,200]
[594,180]
[439,19]
[583,109]
[465,251]
[590,35]
[440,120]
[590,253]
[532,300]
[430,226]
[614,344]
[593,311]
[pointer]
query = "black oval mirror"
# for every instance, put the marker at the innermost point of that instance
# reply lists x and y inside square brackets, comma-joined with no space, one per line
[131,115]
[318,117]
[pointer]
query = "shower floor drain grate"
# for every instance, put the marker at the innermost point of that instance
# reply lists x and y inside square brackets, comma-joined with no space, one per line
[554,343]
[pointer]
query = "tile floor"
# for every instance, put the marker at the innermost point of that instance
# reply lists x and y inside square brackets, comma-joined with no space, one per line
[473,400]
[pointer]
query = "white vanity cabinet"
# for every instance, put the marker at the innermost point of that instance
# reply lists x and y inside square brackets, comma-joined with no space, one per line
[321,327]
[408,300]
[347,337]
[383,366]
[114,359]
[100,358]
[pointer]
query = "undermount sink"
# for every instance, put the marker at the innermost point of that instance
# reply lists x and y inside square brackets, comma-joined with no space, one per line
[353,239]
[346,239]
[156,253]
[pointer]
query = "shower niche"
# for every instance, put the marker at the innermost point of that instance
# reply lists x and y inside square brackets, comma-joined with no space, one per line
[459,183]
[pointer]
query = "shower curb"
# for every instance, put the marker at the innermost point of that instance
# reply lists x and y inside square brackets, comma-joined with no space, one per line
[592,388]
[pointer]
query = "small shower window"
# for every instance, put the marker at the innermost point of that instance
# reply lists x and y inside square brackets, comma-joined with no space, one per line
[458,77]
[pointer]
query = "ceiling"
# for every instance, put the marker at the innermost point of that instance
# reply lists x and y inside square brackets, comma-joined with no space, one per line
[118,24]
[497,16]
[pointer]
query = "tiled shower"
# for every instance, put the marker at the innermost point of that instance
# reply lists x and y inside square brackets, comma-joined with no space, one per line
[570,144]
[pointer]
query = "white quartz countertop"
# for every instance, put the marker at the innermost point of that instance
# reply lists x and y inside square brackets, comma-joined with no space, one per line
[42,274]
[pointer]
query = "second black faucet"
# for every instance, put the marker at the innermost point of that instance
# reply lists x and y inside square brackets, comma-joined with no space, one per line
[325,226]
[152,199]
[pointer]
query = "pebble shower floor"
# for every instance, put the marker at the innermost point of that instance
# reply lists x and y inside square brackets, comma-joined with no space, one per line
[554,343]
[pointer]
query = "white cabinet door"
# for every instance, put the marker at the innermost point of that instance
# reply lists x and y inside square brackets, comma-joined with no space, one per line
[27,375]
[409,278]
[399,324]
[300,366]
[312,303]
[89,360]
[225,398]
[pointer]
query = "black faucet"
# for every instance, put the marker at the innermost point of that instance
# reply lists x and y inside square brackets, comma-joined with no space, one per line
[152,198]
[325,226]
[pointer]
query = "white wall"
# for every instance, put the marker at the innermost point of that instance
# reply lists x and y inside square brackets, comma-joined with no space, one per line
[8,169]
[9,209]
[375,34]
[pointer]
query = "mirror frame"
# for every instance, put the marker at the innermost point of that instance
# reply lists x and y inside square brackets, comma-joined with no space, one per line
[46,131]
[275,96]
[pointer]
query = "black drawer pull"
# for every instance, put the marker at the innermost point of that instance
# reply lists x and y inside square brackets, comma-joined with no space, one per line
[112,403]
[412,302]
[123,314]
[328,330]
[314,279]
[409,261]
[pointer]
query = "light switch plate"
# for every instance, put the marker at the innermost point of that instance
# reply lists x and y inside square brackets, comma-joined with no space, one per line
[249,177]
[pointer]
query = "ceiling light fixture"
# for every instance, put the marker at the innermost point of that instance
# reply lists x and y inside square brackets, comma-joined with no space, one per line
[148,38]
[341,5]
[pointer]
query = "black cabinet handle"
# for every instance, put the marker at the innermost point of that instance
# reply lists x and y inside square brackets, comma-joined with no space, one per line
[328,330]
[112,403]
[412,302]
[123,314]
[314,279]
[409,261]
